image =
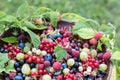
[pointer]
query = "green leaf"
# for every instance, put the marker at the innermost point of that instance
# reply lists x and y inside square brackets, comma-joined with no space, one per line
[8,18]
[115,55]
[78,26]
[23,10]
[54,18]
[9,67]
[99,46]
[60,53]
[11,39]
[104,39]
[2,28]
[86,33]
[1,70]
[43,10]
[73,17]
[4,58]
[35,38]
[30,25]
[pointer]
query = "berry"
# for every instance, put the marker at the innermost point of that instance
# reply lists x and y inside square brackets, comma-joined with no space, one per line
[57,66]
[12,75]
[6,51]
[21,45]
[34,70]
[32,65]
[100,55]
[102,67]
[75,53]
[93,41]
[34,50]
[25,69]
[41,66]
[52,36]
[80,68]
[83,55]
[98,35]
[66,71]
[70,62]
[59,77]
[107,56]
[16,64]
[64,65]
[18,78]
[48,57]
[93,52]
[21,62]
[34,58]
[47,63]
[39,21]
[18,69]
[46,77]
[38,52]
[58,36]
[1,50]
[20,56]
[43,52]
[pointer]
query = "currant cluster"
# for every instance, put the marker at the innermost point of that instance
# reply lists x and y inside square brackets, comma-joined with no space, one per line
[47,46]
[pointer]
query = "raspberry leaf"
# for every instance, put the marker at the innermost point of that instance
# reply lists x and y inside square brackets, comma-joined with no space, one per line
[54,18]
[9,67]
[59,52]
[86,33]
[10,39]
[35,38]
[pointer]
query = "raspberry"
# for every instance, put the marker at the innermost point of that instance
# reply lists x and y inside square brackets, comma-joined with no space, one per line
[47,63]
[93,41]
[12,75]
[98,35]
[57,66]
[75,53]
[107,55]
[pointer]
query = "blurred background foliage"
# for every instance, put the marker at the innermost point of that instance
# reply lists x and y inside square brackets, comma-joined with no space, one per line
[103,11]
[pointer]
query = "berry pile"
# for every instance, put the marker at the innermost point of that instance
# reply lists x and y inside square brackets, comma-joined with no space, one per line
[83,60]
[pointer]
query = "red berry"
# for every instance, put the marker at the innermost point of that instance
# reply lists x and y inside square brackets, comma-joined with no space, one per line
[41,60]
[5,46]
[98,35]
[9,44]
[17,50]
[34,58]
[40,72]
[26,57]
[12,75]
[59,77]
[38,60]
[44,71]
[96,64]
[93,41]
[107,55]
[59,39]
[10,54]
[57,65]
[75,53]
[29,60]
[40,66]
[47,63]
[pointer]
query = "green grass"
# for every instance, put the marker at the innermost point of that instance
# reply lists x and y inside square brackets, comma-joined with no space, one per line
[103,11]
